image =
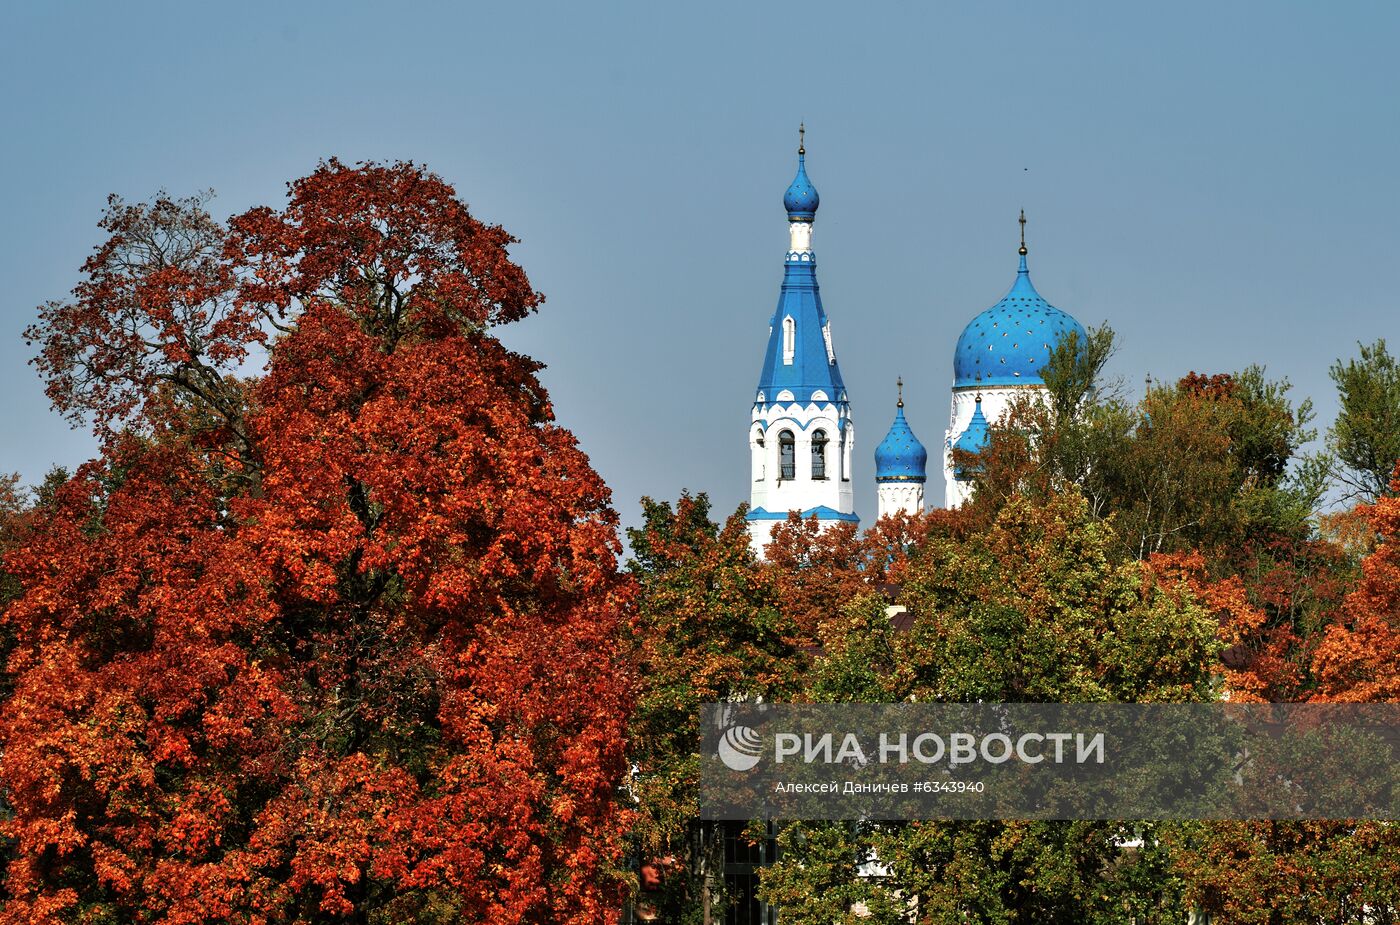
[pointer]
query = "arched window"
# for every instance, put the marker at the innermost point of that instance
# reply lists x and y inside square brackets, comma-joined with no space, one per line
[758,453]
[789,340]
[787,456]
[819,455]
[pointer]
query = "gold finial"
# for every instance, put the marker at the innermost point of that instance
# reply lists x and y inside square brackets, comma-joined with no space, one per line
[801,138]
[1022,220]
[899,384]
[979,398]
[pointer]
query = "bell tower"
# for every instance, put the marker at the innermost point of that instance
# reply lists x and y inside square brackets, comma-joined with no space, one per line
[800,431]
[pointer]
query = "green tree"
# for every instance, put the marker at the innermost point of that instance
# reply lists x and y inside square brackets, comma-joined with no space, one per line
[1366,436]
[707,630]
[1037,609]
[1208,468]
[1033,608]
[1211,462]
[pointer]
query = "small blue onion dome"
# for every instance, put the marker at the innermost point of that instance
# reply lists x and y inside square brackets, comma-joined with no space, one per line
[973,439]
[1009,343]
[900,457]
[801,199]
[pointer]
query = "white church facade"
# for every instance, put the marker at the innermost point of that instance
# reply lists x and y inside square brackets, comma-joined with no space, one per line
[801,435]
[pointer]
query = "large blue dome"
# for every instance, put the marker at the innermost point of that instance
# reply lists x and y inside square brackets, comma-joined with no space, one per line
[801,199]
[900,457]
[1009,343]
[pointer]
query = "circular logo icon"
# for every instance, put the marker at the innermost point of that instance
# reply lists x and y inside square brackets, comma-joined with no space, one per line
[740,748]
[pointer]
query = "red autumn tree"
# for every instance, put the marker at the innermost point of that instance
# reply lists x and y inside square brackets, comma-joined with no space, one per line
[336,643]
[1359,658]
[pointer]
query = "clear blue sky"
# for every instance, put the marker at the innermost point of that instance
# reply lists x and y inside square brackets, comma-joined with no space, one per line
[1215,180]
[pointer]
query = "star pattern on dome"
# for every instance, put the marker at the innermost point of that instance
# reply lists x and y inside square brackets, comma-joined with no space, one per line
[1009,343]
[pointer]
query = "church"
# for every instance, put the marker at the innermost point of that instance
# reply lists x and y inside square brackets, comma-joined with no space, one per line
[801,435]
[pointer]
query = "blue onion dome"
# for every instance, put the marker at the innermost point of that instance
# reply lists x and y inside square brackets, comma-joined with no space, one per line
[801,199]
[900,457]
[1009,343]
[973,439]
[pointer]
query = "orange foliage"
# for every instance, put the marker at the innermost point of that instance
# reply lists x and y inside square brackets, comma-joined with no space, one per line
[1255,663]
[1358,659]
[817,571]
[364,662]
